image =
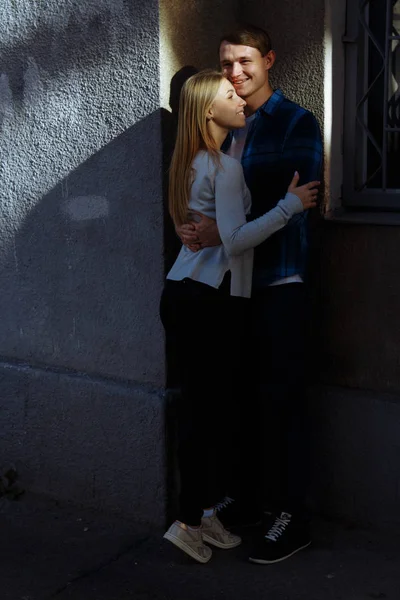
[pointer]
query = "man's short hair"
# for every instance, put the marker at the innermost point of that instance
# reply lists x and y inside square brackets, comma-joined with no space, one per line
[246,34]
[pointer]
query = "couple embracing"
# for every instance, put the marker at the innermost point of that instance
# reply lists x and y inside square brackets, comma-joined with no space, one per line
[243,177]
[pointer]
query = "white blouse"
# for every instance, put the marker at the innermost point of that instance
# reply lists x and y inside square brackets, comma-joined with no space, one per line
[221,193]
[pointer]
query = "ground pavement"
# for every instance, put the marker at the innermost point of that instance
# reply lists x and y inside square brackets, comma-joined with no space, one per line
[58,551]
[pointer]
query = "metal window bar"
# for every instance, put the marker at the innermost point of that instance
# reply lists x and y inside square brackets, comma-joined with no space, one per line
[389,12]
[370,140]
[394,101]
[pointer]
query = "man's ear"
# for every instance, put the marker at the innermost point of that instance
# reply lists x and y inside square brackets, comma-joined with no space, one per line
[269,59]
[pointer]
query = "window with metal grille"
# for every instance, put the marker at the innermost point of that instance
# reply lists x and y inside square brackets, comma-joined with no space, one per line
[372,105]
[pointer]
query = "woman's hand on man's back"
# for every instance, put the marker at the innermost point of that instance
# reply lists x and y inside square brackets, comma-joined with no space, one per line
[307,193]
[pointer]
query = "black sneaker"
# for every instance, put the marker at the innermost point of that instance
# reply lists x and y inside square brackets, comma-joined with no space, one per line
[233,514]
[286,537]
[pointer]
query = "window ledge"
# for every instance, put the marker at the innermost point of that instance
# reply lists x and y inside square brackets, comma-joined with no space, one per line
[363,217]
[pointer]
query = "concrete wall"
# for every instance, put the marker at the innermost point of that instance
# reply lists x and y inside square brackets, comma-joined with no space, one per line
[81,250]
[85,439]
[81,247]
[356,296]
[356,456]
[359,297]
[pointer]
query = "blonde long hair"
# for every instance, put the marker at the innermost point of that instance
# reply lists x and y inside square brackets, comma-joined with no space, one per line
[196,98]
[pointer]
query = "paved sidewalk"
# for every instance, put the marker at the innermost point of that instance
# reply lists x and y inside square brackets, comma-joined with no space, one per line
[57,551]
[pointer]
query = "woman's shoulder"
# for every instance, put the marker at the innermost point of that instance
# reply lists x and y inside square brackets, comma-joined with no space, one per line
[231,167]
[202,160]
[206,165]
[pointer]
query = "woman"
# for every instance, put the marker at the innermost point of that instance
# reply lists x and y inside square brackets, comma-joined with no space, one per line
[204,291]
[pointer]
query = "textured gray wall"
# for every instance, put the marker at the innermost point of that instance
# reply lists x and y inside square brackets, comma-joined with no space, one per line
[85,439]
[81,251]
[356,449]
[81,219]
[358,296]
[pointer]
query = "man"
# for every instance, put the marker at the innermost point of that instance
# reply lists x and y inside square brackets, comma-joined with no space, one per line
[280,138]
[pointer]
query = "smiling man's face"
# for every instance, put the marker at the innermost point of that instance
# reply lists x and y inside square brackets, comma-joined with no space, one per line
[248,70]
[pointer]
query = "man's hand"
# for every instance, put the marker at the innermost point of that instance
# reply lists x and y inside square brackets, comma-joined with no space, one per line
[188,235]
[201,233]
[207,231]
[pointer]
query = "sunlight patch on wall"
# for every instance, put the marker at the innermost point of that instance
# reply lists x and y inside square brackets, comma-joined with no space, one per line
[328,100]
[189,35]
[169,59]
[334,81]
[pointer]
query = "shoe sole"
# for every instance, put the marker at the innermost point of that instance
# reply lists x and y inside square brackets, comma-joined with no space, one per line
[262,561]
[218,544]
[185,547]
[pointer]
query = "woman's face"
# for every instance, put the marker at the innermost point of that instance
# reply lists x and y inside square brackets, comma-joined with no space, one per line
[227,109]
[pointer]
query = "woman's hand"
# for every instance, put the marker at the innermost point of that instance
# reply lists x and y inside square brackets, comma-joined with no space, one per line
[307,192]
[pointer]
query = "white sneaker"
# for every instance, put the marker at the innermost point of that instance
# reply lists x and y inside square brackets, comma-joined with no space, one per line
[215,533]
[189,540]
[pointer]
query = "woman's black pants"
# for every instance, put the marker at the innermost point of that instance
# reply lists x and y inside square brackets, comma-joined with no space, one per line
[198,322]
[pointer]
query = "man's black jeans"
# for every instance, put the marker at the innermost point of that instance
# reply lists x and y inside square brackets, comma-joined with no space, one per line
[277,444]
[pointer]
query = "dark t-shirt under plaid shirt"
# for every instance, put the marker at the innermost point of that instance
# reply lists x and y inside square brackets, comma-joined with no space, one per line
[283,138]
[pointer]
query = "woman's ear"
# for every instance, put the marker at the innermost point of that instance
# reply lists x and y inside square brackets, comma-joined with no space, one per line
[209,113]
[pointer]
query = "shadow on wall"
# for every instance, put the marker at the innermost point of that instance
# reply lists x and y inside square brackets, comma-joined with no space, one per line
[81,288]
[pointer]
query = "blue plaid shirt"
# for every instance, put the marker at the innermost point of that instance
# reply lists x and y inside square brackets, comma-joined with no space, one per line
[282,139]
